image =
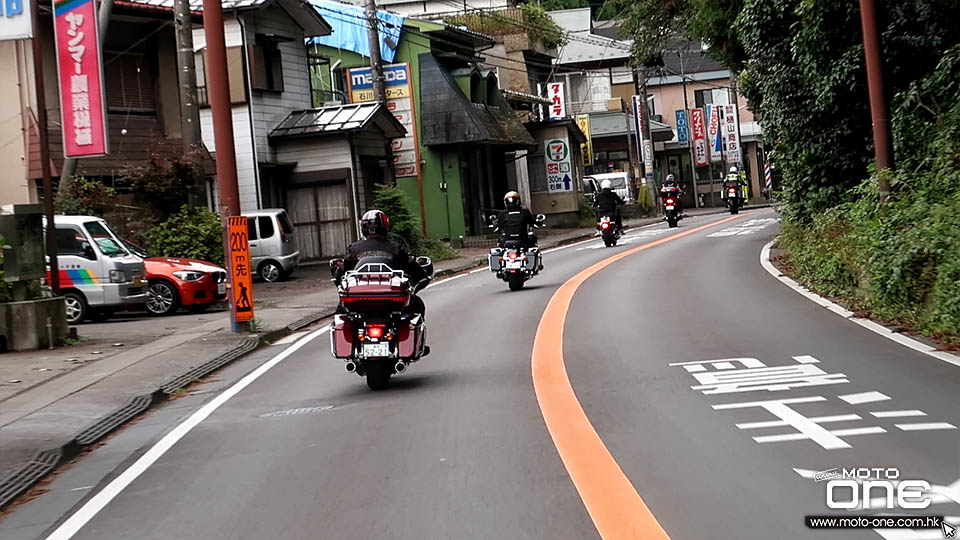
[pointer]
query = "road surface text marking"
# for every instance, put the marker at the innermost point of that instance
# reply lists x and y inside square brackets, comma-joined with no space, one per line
[611,501]
[98,502]
[865,397]
[747,227]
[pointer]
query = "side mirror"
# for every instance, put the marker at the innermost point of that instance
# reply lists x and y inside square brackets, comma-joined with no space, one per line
[424,261]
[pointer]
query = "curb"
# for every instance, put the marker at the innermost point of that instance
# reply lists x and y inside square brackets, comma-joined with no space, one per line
[46,461]
[869,324]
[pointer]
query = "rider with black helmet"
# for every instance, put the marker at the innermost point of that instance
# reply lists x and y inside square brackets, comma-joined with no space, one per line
[515,221]
[374,226]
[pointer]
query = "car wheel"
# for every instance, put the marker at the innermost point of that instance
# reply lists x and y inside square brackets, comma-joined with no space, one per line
[162,298]
[76,307]
[270,272]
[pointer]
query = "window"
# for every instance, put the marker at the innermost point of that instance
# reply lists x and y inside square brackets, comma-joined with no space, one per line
[71,241]
[129,83]
[286,227]
[476,88]
[266,67]
[711,96]
[266,226]
[252,228]
[235,74]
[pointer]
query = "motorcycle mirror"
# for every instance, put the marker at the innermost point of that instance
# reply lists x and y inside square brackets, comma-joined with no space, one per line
[424,261]
[492,220]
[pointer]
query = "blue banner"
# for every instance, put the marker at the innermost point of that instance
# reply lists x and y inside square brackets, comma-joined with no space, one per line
[682,126]
[349,25]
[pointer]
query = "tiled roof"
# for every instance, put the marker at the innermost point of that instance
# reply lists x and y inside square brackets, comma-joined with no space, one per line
[197,5]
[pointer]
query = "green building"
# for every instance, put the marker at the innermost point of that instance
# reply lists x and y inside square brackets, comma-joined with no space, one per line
[456,161]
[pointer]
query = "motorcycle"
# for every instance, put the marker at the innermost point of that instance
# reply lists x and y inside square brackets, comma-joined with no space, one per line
[671,205]
[733,200]
[608,231]
[376,338]
[514,262]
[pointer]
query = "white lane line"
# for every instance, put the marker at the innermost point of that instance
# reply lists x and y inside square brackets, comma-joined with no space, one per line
[864,397]
[289,339]
[92,507]
[898,414]
[925,427]
[840,310]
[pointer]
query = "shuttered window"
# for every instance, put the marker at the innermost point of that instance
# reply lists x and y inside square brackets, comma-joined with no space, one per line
[129,83]
[235,74]
[267,67]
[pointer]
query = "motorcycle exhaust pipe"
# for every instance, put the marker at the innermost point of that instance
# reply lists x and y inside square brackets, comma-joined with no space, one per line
[400,367]
[351,367]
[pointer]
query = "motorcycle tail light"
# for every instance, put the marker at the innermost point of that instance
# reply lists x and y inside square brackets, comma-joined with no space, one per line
[669,201]
[605,225]
[375,331]
[512,255]
[731,191]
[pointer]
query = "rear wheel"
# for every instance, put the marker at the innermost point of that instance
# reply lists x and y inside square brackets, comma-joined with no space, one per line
[378,374]
[76,307]
[734,209]
[671,221]
[515,281]
[270,272]
[162,298]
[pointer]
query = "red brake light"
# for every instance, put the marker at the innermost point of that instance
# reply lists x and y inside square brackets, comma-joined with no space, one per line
[605,225]
[669,201]
[512,255]
[375,331]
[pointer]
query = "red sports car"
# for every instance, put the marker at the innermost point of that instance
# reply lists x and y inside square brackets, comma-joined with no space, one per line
[174,283]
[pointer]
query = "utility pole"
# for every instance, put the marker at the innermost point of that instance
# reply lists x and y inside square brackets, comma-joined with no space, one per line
[379,81]
[686,107]
[44,137]
[736,103]
[640,83]
[218,86]
[189,109]
[882,143]
[69,168]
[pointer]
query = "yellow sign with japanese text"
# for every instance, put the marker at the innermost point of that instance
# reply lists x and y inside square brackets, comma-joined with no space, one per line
[586,149]
[241,278]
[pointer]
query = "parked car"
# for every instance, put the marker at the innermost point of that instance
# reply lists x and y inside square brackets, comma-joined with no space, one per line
[98,274]
[273,244]
[622,185]
[174,283]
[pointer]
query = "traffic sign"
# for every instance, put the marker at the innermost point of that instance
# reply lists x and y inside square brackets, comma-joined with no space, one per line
[241,278]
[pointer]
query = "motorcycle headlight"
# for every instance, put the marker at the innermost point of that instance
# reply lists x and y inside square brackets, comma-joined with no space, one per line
[118,276]
[188,275]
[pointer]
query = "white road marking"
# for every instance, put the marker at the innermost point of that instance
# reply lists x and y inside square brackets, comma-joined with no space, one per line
[92,507]
[289,339]
[806,359]
[898,414]
[723,365]
[864,397]
[858,431]
[818,419]
[747,227]
[926,426]
[839,310]
[806,427]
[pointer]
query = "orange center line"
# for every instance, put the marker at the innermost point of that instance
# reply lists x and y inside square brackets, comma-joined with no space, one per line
[613,503]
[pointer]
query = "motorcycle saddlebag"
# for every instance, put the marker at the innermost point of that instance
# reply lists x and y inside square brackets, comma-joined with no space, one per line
[342,334]
[410,338]
[533,257]
[495,255]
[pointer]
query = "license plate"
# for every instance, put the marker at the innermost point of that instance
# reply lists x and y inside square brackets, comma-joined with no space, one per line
[137,281]
[222,288]
[515,263]
[376,350]
[669,208]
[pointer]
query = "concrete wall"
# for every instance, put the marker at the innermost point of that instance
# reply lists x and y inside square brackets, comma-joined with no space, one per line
[23,325]
[669,98]
[14,188]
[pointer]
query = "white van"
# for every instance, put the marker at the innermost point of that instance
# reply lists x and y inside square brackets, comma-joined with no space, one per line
[622,185]
[273,243]
[98,274]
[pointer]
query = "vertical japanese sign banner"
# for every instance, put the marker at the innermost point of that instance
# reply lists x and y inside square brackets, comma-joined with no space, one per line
[714,114]
[558,107]
[638,127]
[682,126]
[732,134]
[241,279]
[16,19]
[699,138]
[406,153]
[80,74]
[556,156]
[586,149]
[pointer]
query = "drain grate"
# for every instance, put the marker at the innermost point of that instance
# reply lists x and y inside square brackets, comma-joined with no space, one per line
[207,368]
[115,419]
[293,412]
[21,479]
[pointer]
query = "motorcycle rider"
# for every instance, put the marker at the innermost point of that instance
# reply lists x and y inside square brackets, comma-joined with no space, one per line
[671,188]
[608,204]
[514,222]
[734,180]
[374,226]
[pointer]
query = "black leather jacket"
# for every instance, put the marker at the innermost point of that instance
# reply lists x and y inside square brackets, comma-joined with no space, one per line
[377,246]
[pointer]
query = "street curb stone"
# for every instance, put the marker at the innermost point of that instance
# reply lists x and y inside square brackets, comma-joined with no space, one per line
[45,462]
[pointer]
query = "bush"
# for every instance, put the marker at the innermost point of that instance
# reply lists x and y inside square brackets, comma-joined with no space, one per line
[193,232]
[84,197]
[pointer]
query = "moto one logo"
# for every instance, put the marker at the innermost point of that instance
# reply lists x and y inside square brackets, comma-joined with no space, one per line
[868,488]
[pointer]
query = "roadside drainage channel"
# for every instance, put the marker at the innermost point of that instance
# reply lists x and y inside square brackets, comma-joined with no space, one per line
[46,461]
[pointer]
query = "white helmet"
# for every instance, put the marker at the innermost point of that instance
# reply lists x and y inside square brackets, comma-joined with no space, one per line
[606,184]
[733,169]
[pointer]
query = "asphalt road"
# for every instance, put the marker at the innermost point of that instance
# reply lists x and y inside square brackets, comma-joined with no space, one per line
[458,448]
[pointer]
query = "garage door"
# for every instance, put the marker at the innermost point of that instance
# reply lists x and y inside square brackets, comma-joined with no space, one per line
[321,215]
